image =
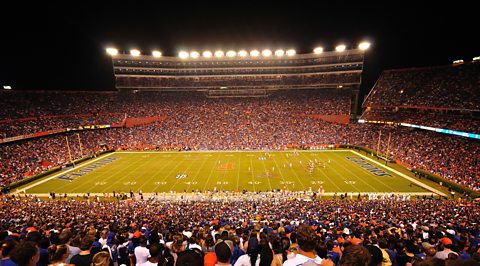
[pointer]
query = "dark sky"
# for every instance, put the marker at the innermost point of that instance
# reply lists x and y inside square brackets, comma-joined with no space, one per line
[62,46]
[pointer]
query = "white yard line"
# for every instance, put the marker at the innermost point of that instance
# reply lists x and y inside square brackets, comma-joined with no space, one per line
[59,174]
[403,175]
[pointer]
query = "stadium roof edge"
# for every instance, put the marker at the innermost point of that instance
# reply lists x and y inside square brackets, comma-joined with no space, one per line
[237,58]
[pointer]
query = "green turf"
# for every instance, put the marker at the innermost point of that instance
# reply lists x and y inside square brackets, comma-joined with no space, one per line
[231,171]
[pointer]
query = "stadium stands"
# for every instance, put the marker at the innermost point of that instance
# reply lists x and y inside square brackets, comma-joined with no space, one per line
[417,230]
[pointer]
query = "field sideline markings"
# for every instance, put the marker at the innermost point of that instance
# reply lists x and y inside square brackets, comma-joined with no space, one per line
[227,151]
[360,178]
[403,175]
[18,190]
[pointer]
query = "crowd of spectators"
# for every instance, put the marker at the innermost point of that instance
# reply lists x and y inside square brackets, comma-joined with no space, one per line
[200,123]
[31,112]
[274,231]
[450,87]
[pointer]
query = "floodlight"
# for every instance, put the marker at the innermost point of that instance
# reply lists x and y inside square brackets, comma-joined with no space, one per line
[207,54]
[194,54]
[156,53]
[219,53]
[231,53]
[279,52]
[364,45]
[318,50]
[135,52]
[340,48]
[183,54]
[291,52]
[242,53]
[254,53]
[476,58]
[112,51]
[266,53]
[460,61]
[6,87]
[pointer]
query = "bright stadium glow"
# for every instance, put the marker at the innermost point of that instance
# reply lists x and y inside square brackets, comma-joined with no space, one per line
[112,51]
[254,53]
[207,54]
[279,52]
[231,53]
[291,52]
[183,54]
[194,54]
[318,50]
[156,53]
[135,52]
[476,58]
[266,53]
[340,48]
[242,53]
[219,53]
[364,45]
[6,87]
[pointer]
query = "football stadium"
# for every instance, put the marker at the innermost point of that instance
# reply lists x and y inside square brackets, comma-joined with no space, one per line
[254,156]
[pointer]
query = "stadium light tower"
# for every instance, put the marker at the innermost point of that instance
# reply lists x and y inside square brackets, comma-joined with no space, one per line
[219,53]
[340,48]
[242,53]
[135,52]
[266,52]
[291,52]
[231,53]
[207,54]
[364,45]
[194,54]
[318,50]
[112,51]
[183,54]
[254,53]
[279,52]
[156,53]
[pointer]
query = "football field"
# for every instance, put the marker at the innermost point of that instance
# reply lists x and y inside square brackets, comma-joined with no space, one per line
[333,170]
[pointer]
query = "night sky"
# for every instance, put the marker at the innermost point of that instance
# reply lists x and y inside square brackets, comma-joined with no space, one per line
[62,46]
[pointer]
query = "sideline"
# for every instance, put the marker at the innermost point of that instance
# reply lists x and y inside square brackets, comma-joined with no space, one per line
[423,185]
[234,151]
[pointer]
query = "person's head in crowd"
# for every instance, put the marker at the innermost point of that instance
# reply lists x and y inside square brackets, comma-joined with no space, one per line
[101,259]
[375,254]
[26,253]
[6,247]
[191,257]
[355,255]
[177,245]
[155,250]
[64,237]
[306,238]
[322,249]
[223,251]
[58,253]
[224,235]
[86,243]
